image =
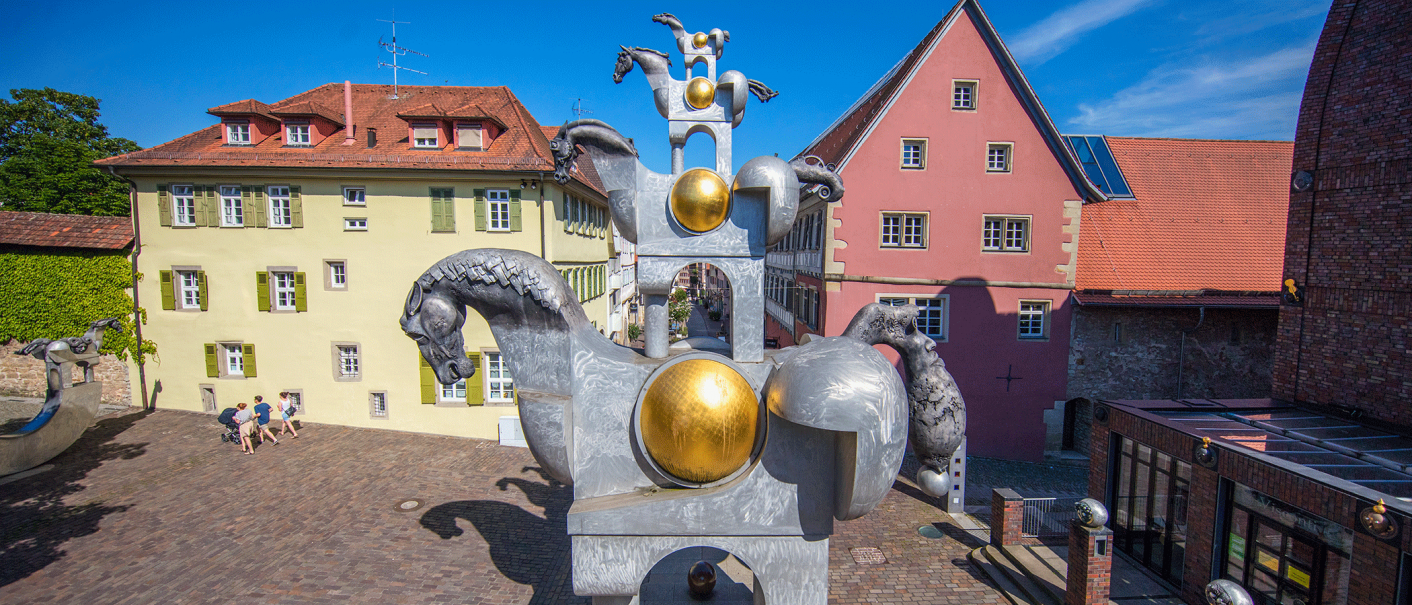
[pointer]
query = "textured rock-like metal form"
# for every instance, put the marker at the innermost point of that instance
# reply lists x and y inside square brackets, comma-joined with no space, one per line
[699,443]
[68,408]
[938,412]
[1091,513]
[1226,592]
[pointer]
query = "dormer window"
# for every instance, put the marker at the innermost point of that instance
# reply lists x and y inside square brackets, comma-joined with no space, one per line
[469,137]
[237,133]
[425,136]
[296,134]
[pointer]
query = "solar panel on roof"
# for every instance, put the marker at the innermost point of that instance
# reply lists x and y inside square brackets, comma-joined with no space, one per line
[1098,164]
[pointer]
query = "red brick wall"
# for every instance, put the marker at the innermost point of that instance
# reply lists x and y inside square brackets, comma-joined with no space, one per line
[1348,235]
[1090,576]
[1007,510]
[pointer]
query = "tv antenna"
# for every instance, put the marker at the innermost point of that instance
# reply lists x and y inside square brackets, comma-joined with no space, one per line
[578,108]
[397,51]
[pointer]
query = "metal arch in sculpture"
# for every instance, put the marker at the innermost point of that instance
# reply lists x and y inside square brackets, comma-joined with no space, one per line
[68,409]
[938,414]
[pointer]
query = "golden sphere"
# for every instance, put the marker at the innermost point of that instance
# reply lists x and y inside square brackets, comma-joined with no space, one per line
[699,420]
[700,40]
[700,200]
[700,92]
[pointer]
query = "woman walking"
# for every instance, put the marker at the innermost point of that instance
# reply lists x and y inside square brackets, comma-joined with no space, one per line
[285,410]
[262,416]
[246,418]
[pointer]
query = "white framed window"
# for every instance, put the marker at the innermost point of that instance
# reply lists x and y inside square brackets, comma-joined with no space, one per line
[963,94]
[232,208]
[296,134]
[355,224]
[190,284]
[348,362]
[234,359]
[499,385]
[469,137]
[1006,234]
[279,207]
[283,289]
[914,154]
[997,157]
[237,133]
[498,201]
[184,205]
[1034,315]
[426,136]
[354,196]
[455,391]
[335,275]
[377,404]
[904,230]
[931,312]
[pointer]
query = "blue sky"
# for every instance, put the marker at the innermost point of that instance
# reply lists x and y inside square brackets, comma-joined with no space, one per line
[1192,68]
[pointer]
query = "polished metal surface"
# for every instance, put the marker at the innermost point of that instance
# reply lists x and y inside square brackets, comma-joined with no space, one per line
[1226,592]
[699,420]
[700,200]
[1091,513]
[700,93]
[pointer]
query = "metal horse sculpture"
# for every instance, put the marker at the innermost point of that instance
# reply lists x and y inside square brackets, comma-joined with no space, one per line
[68,408]
[652,474]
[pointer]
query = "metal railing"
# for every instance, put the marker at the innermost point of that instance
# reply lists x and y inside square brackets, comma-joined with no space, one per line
[1047,517]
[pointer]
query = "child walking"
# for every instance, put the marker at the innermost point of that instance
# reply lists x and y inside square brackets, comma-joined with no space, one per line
[262,411]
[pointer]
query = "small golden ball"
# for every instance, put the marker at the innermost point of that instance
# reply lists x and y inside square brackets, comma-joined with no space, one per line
[699,420]
[700,200]
[700,40]
[700,93]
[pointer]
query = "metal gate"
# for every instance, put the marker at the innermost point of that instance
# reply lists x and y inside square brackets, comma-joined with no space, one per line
[1047,517]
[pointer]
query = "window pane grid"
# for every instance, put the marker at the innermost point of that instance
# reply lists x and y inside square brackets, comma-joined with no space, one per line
[1015,235]
[1006,234]
[297,134]
[354,195]
[190,290]
[499,201]
[184,202]
[348,361]
[912,231]
[1032,319]
[904,230]
[961,97]
[232,209]
[235,360]
[892,230]
[500,387]
[279,207]
[284,290]
[338,275]
[912,154]
[379,404]
[238,134]
[997,159]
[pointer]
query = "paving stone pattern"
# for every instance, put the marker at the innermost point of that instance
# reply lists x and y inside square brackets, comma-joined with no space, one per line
[151,507]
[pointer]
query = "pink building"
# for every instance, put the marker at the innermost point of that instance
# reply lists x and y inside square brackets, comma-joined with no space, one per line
[963,200]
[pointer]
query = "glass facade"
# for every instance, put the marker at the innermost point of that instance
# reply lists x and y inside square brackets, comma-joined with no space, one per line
[1149,506]
[1283,555]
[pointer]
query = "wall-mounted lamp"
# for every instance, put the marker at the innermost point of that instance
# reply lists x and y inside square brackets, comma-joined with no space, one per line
[527,184]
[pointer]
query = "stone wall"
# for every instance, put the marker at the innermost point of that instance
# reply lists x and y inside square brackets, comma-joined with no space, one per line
[1348,239]
[23,376]
[1228,357]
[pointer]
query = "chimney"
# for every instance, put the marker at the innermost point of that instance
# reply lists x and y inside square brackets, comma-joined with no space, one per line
[347,112]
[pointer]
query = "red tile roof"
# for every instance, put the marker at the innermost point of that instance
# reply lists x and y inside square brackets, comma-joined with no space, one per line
[849,130]
[309,108]
[522,147]
[1202,299]
[65,230]
[1206,215]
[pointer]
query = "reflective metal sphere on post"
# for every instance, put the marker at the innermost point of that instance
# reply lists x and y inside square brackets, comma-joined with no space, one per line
[700,200]
[699,421]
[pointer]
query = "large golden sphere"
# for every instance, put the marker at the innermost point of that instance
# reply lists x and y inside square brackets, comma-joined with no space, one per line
[700,200]
[700,39]
[699,420]
[700,92]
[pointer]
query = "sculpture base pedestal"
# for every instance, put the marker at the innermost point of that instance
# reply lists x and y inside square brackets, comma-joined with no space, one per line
[787,570]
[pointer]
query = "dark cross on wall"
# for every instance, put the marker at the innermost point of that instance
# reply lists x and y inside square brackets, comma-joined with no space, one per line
[1009,375]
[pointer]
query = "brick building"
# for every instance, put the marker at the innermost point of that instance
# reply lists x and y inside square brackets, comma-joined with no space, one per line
[1177,288]
[1285,498]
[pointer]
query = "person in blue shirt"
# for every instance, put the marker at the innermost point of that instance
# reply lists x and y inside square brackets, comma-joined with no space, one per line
[262,417]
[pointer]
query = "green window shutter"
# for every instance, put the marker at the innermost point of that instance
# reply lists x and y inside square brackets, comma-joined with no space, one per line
[479,195]
[443,210]
[564,215]
[515,223]
[247,199]
[168,290]
[213,365]
[296,208]
[248,351]
[301,296]
[206,200]
[428,379]
[262,290]
[475,390]
[198,206]
[164,206]
[201,283]
[262,208]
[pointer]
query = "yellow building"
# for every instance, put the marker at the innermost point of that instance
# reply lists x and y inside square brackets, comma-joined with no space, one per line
[279,245]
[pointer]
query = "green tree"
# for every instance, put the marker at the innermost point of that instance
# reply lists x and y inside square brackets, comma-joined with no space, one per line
[48,142]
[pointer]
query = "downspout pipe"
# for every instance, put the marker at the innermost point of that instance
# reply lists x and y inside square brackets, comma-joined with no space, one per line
[136,309]
[542,250]
[1181,354]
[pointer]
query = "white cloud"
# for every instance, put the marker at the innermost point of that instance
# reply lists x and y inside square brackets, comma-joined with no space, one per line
[1056,33]
[1227,98]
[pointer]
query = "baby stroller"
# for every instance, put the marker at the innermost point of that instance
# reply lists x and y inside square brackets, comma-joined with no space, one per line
[227,419]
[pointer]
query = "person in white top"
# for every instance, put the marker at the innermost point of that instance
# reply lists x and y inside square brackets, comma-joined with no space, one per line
[246,418]
[284,413]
